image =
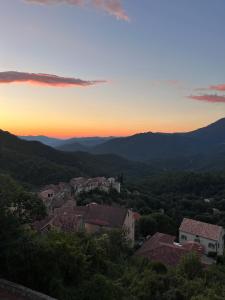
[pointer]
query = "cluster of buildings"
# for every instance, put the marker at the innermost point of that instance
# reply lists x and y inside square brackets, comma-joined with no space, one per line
[82,184]
[63,214]
[54,196]
[92,218]
[194,236]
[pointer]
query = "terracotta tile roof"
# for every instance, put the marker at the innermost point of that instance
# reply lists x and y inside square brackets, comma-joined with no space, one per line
[167,254]
[155,241]
[68,222]
[194,246]
[69,217]
[202,229]
[161,247]
[103,215]
[64,218]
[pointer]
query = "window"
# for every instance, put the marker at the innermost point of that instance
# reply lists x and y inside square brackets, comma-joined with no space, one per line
[197,240]
[183,237]
[211,246]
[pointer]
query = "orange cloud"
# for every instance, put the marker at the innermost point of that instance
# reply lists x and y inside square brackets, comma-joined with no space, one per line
[208,98]
[44,79]
[112,7]
[219,87]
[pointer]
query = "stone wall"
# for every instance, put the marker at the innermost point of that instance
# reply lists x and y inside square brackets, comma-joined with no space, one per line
[22,291]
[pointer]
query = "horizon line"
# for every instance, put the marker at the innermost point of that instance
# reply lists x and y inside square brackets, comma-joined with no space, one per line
[24,133]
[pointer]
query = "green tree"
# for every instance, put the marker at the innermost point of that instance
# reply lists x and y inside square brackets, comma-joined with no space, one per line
[190,266]
[147,225]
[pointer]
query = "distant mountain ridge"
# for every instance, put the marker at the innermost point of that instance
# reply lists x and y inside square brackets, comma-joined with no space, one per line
[38,164]
[154,146]
[74,144]
[49,141]
[199,150]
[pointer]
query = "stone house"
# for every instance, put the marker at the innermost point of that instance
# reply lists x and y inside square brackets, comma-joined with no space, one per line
[103,217]
[64,219]
[82,184]
[54,196]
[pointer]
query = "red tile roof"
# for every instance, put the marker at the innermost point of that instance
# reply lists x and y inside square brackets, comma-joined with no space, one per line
[167,254]
[64,218]
[103,215]
[202,229]
[155,240]
[68,222]
[194,246]
[161,247]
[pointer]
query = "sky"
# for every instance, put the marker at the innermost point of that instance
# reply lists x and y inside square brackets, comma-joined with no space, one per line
[111,67]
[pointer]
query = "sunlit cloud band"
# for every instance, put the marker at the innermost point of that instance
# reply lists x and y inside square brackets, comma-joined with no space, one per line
[219,87]
[112,7]
[208,98]
[44,79]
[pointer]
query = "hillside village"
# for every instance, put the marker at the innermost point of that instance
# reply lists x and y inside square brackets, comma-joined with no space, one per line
[64,214]
[104,234]
[204,239]
[55,196]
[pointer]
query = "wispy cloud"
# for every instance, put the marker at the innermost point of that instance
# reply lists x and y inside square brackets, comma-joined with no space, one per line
[217,87]
[112,7]
[208,98]
[44,79]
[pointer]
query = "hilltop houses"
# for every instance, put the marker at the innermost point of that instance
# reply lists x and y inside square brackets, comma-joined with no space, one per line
[104,184]
[54,196]
[65,215]
[194,236]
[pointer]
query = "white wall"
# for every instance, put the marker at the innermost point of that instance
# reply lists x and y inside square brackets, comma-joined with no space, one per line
[129,226]
[219,245]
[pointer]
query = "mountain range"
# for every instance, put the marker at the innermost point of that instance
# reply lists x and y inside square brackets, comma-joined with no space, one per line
[165,150]
[37,164]
[135,156]
[75,142]
[151,146]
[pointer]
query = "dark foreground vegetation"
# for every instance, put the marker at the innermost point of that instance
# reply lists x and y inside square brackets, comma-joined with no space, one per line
[103,267]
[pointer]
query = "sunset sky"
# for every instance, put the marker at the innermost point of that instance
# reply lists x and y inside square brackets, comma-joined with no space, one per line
[113,67]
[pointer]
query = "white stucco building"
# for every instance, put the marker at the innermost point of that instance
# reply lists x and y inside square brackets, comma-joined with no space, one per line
[211,237]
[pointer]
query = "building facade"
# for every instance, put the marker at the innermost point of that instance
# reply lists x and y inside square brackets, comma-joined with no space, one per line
[211,237]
